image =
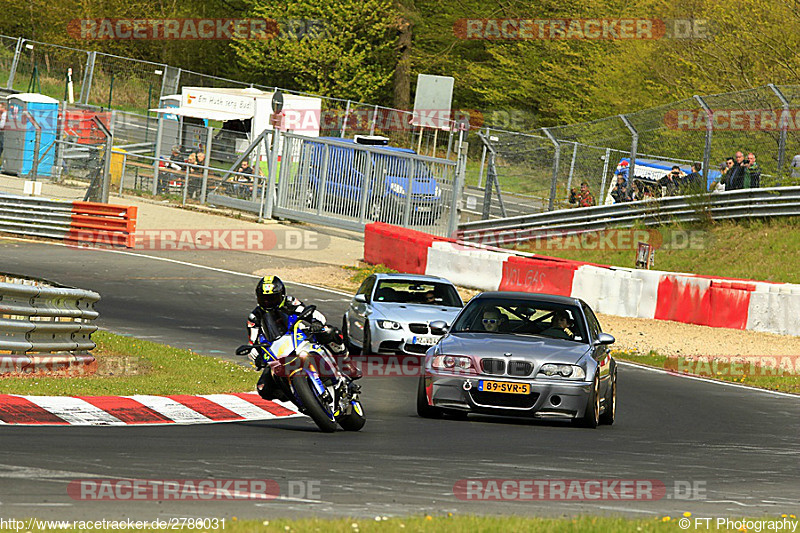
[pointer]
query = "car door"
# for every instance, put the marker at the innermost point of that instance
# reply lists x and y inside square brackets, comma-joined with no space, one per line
[600,352]
[359,311]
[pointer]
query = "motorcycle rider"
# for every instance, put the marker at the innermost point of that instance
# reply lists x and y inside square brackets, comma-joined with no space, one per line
[271,317]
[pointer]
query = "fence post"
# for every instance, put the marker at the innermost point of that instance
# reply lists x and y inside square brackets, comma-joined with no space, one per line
[556,161]
[88,75]
[487,190]
[784,128]
[602,197]
[483,162]
[634,147]
[273,172]
[14,63]
[709,134]
[374,120]
[458,188]
[37,143]
[157,152]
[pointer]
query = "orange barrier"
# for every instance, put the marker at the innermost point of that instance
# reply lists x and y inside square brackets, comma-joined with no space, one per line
[98,223]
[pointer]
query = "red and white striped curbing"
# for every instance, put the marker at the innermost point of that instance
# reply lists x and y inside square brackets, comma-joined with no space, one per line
[688,298]
[139,410]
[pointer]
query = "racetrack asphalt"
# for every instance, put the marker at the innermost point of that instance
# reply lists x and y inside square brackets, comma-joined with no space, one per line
[738,447]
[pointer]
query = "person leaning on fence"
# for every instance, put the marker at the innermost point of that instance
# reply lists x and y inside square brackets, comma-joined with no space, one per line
[583,197]
[621,192]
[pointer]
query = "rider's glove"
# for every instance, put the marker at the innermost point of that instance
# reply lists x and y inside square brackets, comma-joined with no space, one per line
[252,356]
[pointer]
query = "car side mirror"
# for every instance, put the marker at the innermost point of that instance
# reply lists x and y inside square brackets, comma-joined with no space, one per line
[606,339]
[360,298]
[439,325]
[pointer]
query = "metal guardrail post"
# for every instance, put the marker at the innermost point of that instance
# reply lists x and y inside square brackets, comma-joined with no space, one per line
[14,63]
[556,161]
[634,146]
[784,128]
[709,133]
[88,75]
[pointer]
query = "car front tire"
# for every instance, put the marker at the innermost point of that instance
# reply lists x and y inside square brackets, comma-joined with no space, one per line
[591,415]
[423,409]
[610,412]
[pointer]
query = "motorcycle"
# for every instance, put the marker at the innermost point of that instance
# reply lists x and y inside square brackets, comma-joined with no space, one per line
[308,376]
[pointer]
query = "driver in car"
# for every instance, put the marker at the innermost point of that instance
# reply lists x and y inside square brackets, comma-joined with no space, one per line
[560,326]
[491,320]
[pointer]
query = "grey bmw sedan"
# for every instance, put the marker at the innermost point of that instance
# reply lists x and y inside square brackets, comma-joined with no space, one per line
[521,354]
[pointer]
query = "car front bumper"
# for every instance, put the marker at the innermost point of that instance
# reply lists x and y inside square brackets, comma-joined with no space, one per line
[397,341]
[548,397]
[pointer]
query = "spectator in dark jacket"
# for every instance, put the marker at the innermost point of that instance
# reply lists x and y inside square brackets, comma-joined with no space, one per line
[621,192]
[734,179]
[693,183]
[752,173]
[673,181]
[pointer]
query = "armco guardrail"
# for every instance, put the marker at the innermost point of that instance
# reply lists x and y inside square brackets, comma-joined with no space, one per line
[44,327]
[748,203]
[78,222]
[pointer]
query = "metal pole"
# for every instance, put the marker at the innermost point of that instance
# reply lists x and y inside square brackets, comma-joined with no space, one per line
[601,199]
[483,162]
[556,161]
[784,128]
[59,166]
[634,146]
[487,190]
[110,90]
[374,119]
[709,134]
[106,184]
[458,188]
[122,174]
[572,167]
[86,86]
[273,173]
[204,189]
[36,146]
[14,63]
[185,185]
[344,120]
[157,152]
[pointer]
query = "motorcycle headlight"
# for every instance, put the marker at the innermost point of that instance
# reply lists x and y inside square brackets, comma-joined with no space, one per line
[388,324]
[562,371]
[397,189]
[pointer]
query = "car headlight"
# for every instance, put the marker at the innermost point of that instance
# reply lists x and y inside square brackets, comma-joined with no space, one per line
[397,189]
[552,370]
[455,363]
[388,324]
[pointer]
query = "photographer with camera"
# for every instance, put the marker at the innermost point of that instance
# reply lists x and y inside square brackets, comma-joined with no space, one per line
[672,182]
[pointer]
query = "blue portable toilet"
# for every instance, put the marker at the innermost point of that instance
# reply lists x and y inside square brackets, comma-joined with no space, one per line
[20,134]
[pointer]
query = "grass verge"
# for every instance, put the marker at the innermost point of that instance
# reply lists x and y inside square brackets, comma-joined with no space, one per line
[770,248]
[128,366]
[778,373]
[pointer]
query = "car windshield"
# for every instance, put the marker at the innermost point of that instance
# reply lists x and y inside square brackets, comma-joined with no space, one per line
[522,317]
[417,292]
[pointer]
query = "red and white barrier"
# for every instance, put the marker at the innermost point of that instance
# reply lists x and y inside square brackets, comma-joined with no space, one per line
[103,224]
[688,298]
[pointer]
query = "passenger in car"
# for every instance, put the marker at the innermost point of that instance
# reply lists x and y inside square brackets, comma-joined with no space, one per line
[560,326]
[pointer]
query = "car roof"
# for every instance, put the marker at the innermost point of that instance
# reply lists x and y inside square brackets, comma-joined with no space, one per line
[528,296]
[411,277]
[376,146]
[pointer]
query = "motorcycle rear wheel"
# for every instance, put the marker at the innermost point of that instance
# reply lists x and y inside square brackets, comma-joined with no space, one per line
[311,403]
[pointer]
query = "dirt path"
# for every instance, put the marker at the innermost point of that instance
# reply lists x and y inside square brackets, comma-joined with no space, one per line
[635,334]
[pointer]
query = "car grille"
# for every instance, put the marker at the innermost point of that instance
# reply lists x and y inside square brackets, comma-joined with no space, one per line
[493,366]
[418,328]
[494,399]
[519,368]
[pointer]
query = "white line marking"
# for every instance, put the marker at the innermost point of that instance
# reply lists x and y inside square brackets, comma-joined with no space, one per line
[171,409]
[706,380]
[244,408]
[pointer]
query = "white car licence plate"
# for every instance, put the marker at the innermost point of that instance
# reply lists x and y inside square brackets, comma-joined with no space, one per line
[426,341]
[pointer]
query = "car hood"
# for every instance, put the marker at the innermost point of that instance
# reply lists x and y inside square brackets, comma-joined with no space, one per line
[414,312]
[535,349]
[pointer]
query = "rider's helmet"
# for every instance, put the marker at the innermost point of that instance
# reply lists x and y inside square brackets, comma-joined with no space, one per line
[270,292]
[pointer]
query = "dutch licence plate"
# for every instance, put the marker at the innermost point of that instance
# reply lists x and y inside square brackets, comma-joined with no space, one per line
[504,387]
[426,341]
[425,209]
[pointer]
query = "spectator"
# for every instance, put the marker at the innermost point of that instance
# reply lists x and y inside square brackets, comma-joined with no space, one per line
[620,192]
[672,182]
[176,158]
[752,172]
[693,183]
[192,159]
[583,198]
[734,179]
[201,158]
[244,183]
[640,191]
[3,119]
[796,166]
[724,169]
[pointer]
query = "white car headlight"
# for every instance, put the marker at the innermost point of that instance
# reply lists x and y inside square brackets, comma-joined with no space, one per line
[388,324]
[553,370]
[397,189]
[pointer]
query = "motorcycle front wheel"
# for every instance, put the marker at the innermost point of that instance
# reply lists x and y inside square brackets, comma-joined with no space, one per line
[355,420]
[312,404]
